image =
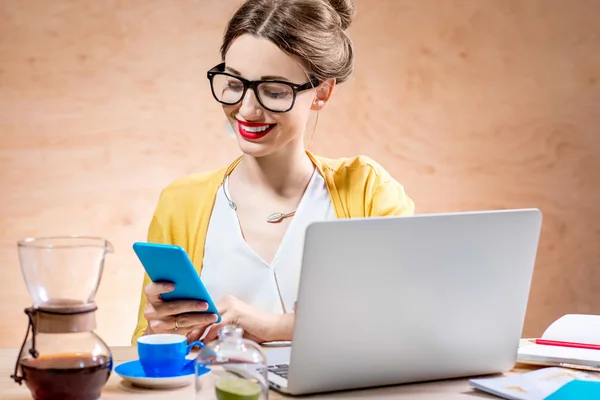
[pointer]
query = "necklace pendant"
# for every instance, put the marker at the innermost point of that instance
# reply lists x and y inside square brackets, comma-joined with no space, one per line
[232,205]
[274,218]
[278,217]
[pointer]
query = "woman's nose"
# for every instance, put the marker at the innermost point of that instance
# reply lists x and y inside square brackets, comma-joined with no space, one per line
[250,106]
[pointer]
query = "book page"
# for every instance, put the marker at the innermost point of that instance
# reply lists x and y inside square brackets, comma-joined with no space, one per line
[579,328]
[557,355]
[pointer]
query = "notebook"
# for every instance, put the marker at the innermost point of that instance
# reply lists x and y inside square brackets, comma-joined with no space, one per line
[546,383]
[574,329]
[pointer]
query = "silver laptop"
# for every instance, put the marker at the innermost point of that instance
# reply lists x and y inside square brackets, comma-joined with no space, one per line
[392,300]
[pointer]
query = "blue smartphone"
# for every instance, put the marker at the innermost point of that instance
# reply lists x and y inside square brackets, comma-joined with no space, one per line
[166,262]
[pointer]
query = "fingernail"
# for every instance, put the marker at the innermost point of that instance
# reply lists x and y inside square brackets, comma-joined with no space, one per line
[202,306]
[170,286]
[215,318]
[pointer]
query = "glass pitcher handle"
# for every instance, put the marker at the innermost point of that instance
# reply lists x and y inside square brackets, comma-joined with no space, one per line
[34,353]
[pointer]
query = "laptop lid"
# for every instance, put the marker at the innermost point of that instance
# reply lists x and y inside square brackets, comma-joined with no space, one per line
[392,300]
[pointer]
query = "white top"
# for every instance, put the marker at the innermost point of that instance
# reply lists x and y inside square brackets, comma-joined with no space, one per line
[231,267]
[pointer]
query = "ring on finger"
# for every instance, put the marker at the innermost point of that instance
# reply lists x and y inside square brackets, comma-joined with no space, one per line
[176,324]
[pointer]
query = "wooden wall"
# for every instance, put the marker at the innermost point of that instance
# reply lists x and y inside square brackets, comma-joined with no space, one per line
[471,104]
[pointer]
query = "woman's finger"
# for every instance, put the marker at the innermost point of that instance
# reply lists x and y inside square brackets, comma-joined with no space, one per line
[169,308]
[196,320]
[194,335]
[162,325]
[153,290]
[226,319]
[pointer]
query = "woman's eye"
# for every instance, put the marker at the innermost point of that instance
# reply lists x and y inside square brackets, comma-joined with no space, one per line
[234,85]
[275,95]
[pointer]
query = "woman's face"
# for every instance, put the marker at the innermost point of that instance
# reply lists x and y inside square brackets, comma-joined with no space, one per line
[259,131]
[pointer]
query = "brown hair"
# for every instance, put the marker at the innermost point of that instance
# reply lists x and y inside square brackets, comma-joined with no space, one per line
[312,31]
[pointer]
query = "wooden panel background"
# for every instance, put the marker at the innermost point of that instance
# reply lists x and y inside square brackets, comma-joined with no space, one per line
[471,104]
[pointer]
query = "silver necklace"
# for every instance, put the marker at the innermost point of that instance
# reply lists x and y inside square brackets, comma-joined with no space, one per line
[273,218]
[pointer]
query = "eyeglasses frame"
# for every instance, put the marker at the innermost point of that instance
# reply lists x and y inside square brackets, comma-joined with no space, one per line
[220,70]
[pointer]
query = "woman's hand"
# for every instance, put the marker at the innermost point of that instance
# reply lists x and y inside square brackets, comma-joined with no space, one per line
[179,316]
[258,325]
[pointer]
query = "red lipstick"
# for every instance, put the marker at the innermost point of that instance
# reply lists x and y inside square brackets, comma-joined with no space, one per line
[256,130]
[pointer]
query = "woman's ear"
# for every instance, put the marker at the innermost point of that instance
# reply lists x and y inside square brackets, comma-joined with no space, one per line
[324,92]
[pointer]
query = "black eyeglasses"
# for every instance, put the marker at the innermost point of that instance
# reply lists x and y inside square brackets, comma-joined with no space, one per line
[273,95]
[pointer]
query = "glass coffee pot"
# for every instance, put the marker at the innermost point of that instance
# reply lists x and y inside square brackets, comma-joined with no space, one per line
[64,359]
[238,368]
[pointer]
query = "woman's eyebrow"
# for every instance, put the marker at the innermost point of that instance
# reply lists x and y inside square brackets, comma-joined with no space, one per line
[264,78]
[233,71]
[274,78]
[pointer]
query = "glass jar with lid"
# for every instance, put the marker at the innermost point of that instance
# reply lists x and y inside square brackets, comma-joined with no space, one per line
[238,368]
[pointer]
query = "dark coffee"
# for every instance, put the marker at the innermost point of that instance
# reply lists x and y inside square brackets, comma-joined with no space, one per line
[66,376]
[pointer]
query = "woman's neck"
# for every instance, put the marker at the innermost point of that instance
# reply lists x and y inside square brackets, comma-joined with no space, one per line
[285,172]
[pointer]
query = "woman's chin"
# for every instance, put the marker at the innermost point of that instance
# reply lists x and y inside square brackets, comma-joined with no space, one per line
[255,149]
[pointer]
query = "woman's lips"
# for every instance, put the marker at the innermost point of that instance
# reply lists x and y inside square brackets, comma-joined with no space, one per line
[254,130]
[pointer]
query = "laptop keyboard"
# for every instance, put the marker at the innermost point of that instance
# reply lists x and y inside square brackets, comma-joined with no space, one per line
[280,369]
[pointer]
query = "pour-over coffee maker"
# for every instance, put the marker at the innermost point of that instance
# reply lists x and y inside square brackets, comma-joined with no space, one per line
[64,359]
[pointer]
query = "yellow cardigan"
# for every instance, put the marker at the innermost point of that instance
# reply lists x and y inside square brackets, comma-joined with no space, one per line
[358,187]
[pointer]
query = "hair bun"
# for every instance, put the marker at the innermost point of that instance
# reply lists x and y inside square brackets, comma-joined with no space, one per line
[345,9]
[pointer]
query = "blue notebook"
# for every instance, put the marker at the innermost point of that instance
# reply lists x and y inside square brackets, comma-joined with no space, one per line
[577,390]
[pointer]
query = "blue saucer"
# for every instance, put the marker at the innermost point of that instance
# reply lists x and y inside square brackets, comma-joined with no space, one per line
[133,372]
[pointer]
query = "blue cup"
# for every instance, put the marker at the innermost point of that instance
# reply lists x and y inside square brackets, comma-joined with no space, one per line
[164,355]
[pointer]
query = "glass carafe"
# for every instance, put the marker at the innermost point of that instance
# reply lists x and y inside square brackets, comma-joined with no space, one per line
[238,368]
[64,359]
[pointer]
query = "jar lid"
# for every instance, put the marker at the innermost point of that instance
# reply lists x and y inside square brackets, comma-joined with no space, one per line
[231,347]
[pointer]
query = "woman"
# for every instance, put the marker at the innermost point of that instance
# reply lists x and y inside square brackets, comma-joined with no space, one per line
[243,226]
